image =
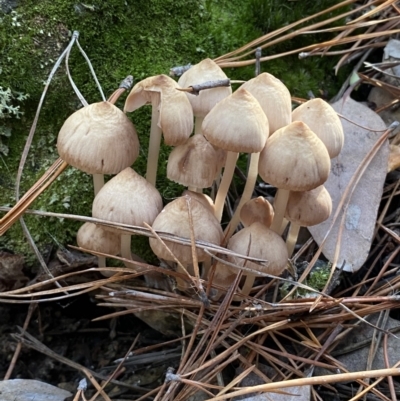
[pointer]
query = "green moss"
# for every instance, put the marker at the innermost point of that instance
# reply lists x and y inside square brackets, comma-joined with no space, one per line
[121,37]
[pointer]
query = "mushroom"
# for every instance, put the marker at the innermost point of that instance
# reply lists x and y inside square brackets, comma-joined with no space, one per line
[206,70]
[259,242]
[257,209]
[96,238]
[274,98]
[129,199]
[324,122]
[294,159]
[236,124]
[306,209]
[171,115]
[193,164]
[98,139]
[174,219]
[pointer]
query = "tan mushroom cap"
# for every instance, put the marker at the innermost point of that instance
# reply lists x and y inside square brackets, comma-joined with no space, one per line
[295,159]
[174,220]
[324,122]
[127,198]
[176,114]
[257,210]
[193,164]
[98,139]
[94,237]
[237,123]
[259,242]
[310,207]
[274,98]
[206,70]
[204,199]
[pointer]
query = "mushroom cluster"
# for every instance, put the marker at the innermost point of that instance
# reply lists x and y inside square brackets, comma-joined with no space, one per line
[289,150]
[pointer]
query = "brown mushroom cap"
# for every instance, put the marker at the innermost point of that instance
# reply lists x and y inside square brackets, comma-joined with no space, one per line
[193,164]
[257,210]
[237,123]
[204,199]
[206,70]
[176,114]
[127,198]
[98,139]
[174,220]
[324,122]
[310,207]
[260,242]
[274,98]
[94,237]
[295,159]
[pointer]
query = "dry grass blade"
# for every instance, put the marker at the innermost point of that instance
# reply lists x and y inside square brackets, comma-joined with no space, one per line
[40,186]
[310,381]
[384,25]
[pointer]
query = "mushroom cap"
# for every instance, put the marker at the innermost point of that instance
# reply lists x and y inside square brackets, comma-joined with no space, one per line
[310,207]
[194,163]
[206,70]
[260,242]
[96,238]
[176,114]
[127,198]
[294,158]
[174,220]
[204,199]
[237,124]
[324,122]
[98,139]
[257,210]
[274,98]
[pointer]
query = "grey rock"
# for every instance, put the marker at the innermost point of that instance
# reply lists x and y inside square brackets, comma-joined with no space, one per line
[30,390]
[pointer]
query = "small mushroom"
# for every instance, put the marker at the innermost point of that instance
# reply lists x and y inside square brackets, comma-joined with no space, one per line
[205,71]
[96,238]
[294,159]
[236,124]
[274,98]
[305,209]
[98,139]
[193,164]
[259,242]
[174,219]
[129,199]
[171,115]
[257,209]
[324,122]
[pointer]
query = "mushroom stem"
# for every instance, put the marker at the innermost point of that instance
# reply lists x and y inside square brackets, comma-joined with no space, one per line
[154,145]
[281,200]
[248,284]
[98,182]
[292,237]
[126,247]
[246,195]
[225,183]
[197,125]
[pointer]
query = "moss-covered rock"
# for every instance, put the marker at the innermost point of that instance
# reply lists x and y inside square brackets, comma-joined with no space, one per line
[120,37]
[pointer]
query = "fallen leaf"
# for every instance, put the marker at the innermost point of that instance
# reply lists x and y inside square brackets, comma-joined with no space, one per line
[359,222]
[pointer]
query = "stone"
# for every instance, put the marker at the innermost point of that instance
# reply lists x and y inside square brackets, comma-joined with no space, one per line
[30,390]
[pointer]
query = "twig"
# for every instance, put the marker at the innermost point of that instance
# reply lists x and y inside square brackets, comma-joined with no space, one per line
[32,307]
[195,89]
